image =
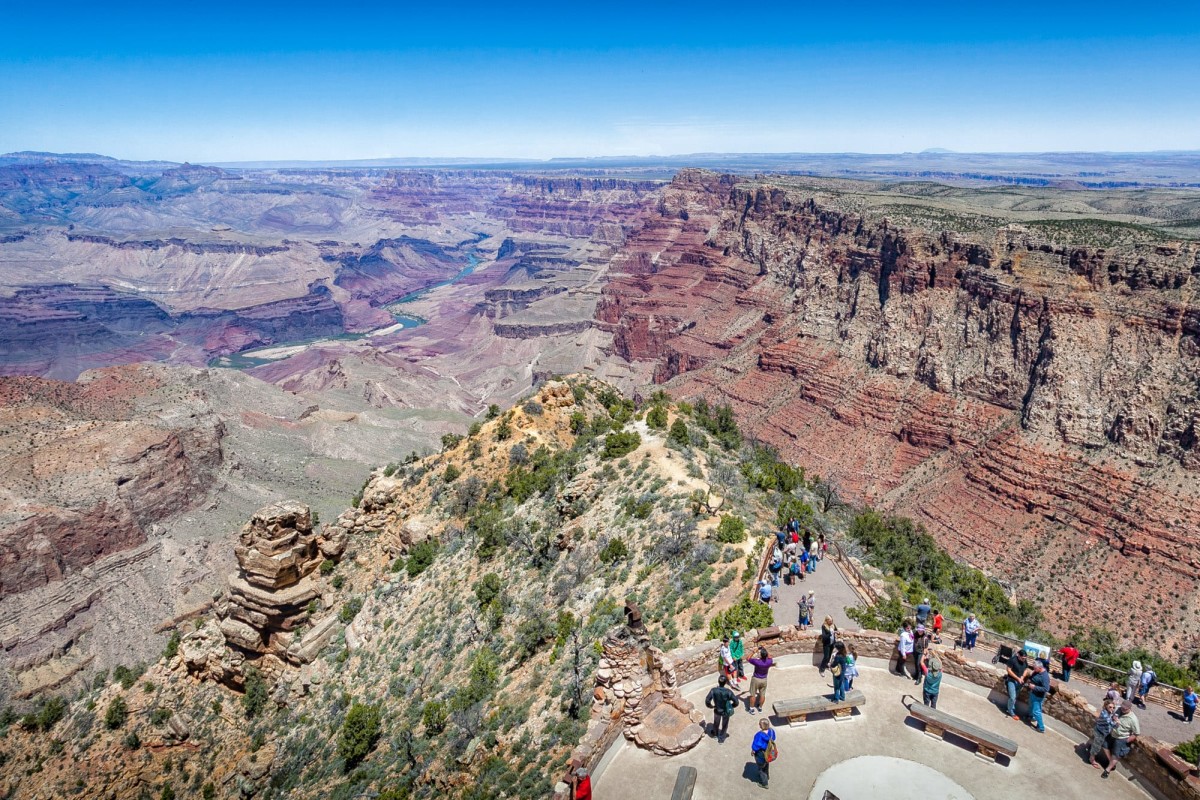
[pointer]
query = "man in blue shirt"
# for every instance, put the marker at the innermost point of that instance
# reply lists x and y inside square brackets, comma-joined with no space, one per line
[1039,689]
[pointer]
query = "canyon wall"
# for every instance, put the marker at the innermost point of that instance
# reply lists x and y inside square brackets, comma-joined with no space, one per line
[1032,401]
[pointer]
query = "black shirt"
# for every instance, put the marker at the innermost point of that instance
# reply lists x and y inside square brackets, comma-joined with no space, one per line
[720,698]
[1018,665]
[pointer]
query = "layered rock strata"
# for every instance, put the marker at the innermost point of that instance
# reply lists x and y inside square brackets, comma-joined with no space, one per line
[1032,401]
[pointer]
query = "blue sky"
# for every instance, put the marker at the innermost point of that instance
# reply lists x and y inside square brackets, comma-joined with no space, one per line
[226,81]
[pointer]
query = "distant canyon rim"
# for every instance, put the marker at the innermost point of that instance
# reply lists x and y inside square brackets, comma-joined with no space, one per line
[1012,360]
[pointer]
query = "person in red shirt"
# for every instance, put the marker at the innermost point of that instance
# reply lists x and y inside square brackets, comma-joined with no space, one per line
[581,785]
[938,621]
[1070,657]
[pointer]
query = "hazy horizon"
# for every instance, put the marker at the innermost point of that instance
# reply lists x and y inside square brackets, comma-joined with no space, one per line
[301,82]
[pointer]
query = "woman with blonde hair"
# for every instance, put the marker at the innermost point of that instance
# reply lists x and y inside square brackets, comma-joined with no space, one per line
[828,640]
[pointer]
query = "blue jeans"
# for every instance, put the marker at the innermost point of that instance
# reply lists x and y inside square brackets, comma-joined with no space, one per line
[1035,711]
[971,637]
[1013,688]
[1066,673]
[839,688]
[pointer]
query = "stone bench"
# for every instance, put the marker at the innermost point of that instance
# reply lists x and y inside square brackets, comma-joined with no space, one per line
[796,711]
[685,784]
[937,723]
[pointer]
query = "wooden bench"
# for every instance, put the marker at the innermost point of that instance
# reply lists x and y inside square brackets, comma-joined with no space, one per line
[796,711]
[937,723]
[685,784]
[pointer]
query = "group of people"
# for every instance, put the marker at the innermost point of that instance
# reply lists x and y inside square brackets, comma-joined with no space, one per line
[795,554]
[913,646]
[724,700]
[1114,733]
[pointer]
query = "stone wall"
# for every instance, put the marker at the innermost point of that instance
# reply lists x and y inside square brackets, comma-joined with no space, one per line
[1150,760]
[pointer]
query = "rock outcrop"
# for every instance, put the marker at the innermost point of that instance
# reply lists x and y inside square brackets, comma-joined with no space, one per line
[1028,397]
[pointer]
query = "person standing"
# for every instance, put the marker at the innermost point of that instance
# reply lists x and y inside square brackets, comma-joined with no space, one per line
[923,609]
[581,785]
[1070,657]
[828,639]
[806,604]
[764,590]
[1124,733]
[904,649]
[758,683]
[1039,689]
[726,656]
[1133,681]
[763,748]
[813,557]
[1100,732]
[1114,693]
[1015,673]
[1189,704]
[737,649]
[933,681]
[971,628]
[920,645]
[722,701]
[938,622]
[851,668]
[838,668]
[1149,680]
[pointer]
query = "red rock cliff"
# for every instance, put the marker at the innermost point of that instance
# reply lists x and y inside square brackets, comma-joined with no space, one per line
[1034,404]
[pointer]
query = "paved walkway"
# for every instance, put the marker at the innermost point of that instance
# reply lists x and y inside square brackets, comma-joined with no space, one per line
[834,594]
[836,753]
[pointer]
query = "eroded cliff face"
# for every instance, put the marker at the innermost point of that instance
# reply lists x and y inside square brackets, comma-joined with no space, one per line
[1032,401]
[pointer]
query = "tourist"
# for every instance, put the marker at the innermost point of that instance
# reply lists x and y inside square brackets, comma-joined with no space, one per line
[581,785]
[808,540]
[813,557]
[971,628]
[1149,681]
[806,607]
[838,668]
[1015,673]
[1133,682]
[1114,693]
[1189,704]
[737,649]
[923,610]
[822,545]
[828,639]
[851,671]
[933,681]
[726,658]
[803,563]
[758,683]
[722,701]
[781,538]
[938,622]
[775,568]
[1100,731]
[1070,657]
[763,747]
[904,649]
[1124,733]
[1039,689]
[764,590]
[920,645]
[794,572]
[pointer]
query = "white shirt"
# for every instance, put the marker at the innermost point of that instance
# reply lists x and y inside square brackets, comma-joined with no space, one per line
[906,643]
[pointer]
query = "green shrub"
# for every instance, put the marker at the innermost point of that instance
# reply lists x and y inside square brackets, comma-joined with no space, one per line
[327,566]
[167,792]
[719,422]
[160,715]
[578,422]
[433,716]
[620,444]
[504,430]
[792,507]
[764,471]
[349,611]
[1189,751]
[450,441]
[451,474]
[128,676]
[172,648]
[46,715]
[731,529]
[421,556]
[255,698]
[744,615]
[533,408]
[360,732]
[679,435]
[488,589]
[474,430]
[209,791]
[132,741]
[114,715]
[614,551]
[338,581]
[656,417]
[531,634]
[493,411]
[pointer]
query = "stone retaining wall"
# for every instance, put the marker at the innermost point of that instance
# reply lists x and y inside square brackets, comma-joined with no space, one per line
[1065,704]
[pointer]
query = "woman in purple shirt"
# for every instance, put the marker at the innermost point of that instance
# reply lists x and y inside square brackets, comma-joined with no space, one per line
[758,683]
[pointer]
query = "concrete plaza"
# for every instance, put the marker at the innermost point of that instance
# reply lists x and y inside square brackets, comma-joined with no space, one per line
[904,762]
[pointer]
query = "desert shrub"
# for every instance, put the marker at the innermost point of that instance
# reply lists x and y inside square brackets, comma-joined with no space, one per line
[504,430]
[578,422]
[719,422]
[49,711]
[792,507]
[482,679]
[620,444]
[327,566]
[114,715]
[474,430]
[639,508]
[489,525]
[451,474]
[1189,751]
[764,471]
[160,715]
[493,411]
[731,529]
[128,676]
[656,417]
[172,648]
[348,612]
[255,698]
[450,441]
[614,551]
[746,614]
[421,556]
[518,454]
[488,589]
[531,634]
[679,435]
[887,615]
[360,732]
[132,741]
[533,408]
[433,716]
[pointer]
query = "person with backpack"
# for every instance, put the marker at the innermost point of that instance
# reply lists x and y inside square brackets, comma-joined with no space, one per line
[838,668]
[828,639]
[1039,690]
[737,649]
[794,572]
[1149,681]
[722,701]
[933,681]
[806,610]
[765,750]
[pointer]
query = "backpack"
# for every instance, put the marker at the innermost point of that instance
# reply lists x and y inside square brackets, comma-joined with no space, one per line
[730,703]
[772,751]
[795,569]
[1153,679]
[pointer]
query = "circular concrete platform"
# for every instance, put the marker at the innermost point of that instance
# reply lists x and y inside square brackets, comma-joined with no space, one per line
[884,776]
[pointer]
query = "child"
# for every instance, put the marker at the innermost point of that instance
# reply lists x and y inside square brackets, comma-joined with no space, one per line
[850,671]
[938,621]
[1189,705]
